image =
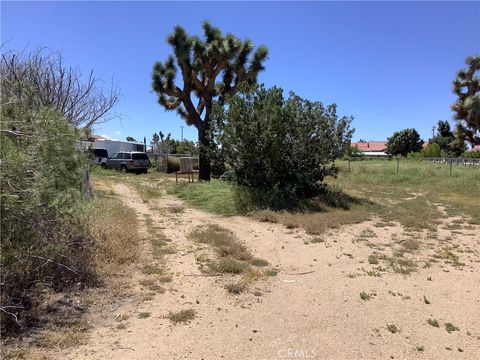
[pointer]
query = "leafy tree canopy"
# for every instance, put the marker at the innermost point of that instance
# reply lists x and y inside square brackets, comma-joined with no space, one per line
[283,146]
[403,142]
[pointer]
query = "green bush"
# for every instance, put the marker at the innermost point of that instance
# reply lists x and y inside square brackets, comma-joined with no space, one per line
[282,148]
[471,154]
[432,150]
[43,238]
[403,142]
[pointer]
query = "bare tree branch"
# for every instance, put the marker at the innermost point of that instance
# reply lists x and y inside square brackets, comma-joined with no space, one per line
[41,78]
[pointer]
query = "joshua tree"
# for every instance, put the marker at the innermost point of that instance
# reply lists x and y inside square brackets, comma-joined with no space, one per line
[467,107]
[201,62]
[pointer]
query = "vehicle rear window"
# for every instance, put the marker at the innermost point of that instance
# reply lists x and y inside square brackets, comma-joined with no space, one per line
[141,156]
[100,152]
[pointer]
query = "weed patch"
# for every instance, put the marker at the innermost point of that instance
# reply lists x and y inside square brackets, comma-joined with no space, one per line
[182,316]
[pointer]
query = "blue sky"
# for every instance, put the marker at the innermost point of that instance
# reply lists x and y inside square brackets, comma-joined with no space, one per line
[389,64]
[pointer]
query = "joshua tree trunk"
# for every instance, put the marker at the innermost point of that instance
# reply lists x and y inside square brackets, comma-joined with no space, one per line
[204,143]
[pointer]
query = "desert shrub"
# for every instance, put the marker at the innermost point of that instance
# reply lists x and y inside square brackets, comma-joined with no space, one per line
[431,150]
[44,242]
[282,148]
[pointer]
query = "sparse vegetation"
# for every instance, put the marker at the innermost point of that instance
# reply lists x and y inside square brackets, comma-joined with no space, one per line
[182,316]
[402,266]
[450,327]
[433,322]
[392,328]
[235,288]
[366,296]
[259,262]
[224,241]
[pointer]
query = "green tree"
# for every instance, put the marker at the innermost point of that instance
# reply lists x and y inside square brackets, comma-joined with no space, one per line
[131,139]
[446,141]
[467,107]
[432,150]
[283,146]
[186,147]
[403,142]
[201,62]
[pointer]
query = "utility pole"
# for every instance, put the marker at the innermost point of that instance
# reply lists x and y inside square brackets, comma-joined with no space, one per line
[433,132]
[182,126]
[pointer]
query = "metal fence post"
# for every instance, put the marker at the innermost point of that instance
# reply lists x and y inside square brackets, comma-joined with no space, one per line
[348,164]
[451,162]
[398,163]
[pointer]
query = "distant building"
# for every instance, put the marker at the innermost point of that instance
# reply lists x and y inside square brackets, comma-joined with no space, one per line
[371,148]
[474,149]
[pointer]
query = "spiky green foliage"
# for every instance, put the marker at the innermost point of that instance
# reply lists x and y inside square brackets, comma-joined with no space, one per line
[467,107]
[403,142]
[211,69]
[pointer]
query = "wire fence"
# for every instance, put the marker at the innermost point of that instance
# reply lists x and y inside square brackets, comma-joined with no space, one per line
[456,161]
[397,162]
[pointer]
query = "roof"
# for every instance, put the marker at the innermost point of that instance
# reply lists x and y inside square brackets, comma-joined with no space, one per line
[97,137]
[370,146]
[475,148]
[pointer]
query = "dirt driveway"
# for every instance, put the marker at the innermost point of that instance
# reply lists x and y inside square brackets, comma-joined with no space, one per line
[329,300]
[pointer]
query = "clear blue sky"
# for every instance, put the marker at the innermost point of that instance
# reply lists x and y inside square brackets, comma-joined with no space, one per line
[389,64]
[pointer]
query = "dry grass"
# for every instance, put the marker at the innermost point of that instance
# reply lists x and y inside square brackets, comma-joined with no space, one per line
[402,266]
[316,223]
[229,266]
[176,209]
[232,257]
[266,216]
[235,288]
[224,241]
[182,316]
[152,270]
[149,191]
[115,229]
[116,241]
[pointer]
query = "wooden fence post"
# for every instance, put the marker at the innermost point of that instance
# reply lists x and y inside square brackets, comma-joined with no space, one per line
[451,162]
[398,163]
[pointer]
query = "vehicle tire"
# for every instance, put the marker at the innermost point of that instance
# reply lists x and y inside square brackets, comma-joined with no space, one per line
[103,166]
[145,171]
[123,169]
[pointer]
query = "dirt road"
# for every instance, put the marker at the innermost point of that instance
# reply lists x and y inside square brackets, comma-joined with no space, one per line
[312,309]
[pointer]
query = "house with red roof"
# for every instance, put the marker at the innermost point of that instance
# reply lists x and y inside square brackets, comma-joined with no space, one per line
[474,149]
[371,148]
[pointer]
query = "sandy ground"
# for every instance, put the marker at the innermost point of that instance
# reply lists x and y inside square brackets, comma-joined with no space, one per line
[311,310]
